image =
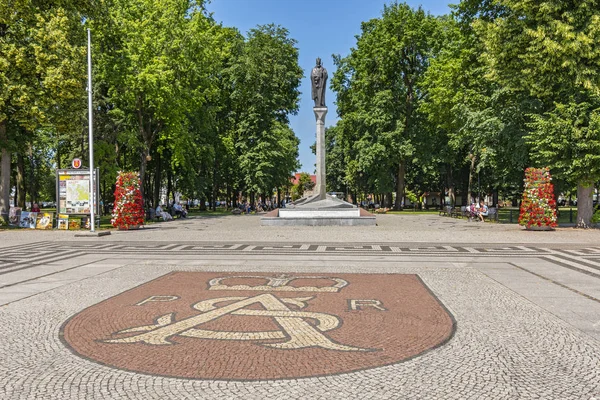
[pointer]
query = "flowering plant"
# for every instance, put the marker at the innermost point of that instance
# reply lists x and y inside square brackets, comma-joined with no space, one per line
[538,206]
[129,209]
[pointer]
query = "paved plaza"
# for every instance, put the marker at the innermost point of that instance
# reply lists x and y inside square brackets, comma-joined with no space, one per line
[218,307]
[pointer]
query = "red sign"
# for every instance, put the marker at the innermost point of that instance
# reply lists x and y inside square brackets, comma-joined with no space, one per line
[255,326]
[76,163]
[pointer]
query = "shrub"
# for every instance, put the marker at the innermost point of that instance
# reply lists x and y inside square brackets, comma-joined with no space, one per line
[596,217]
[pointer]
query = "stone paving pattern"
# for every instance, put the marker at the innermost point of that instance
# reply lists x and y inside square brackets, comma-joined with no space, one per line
[527,307]
[390,228]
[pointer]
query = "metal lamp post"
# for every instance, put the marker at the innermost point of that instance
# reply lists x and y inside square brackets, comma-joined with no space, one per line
[91,136]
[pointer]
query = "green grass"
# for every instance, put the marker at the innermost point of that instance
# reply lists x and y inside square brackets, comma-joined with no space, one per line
[410,211]
[566,215]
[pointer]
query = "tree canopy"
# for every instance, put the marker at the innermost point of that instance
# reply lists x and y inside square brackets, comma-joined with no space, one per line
[458,105]
[463,103]
[196,107]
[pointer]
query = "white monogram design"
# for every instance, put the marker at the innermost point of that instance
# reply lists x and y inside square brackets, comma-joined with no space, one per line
[296,332]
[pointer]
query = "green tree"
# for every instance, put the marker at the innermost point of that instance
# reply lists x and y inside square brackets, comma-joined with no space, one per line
[481,123]
[154,57]
[548,49]
[334,160]
[41,47]
[378,88]
[568,139]
[265,79]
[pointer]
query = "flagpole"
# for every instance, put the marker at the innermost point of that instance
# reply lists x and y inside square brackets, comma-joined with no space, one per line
[91,136]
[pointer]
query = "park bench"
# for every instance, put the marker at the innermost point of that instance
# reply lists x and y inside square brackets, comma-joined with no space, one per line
[151,215]
[446,211]
[457,211]
[492,214]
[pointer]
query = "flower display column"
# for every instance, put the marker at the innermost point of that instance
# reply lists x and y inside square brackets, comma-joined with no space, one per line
[128,212]
[538,206]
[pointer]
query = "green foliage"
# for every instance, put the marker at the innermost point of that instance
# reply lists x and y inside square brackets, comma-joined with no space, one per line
[568,139]
[547,47]
[481,123]
[334,160]
[463,102]
[549,50]
[379,89]
[265,81]
[411,196]
[41,80]
[596,217]
[304,184]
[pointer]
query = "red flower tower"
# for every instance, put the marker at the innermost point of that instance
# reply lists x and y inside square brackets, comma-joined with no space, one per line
[538,207]
[128,212]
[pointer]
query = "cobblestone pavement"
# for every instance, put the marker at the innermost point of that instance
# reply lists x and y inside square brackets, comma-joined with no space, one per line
[163,314]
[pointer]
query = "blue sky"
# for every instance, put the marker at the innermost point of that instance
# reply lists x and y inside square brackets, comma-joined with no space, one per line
[322,28]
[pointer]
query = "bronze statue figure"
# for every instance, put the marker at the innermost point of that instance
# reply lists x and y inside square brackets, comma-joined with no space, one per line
[318,79]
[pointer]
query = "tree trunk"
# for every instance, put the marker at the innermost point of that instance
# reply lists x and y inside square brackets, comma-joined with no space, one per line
[278,198]
[157,181]
[169,185]
[143,164]
[451,188]
[229,197]
[85,155]
[58,155]
[21,193]
[147,133]
[4,174]
[471,175]
[400,185]
[34,187]
[103,197]
[585,205]
[215,187]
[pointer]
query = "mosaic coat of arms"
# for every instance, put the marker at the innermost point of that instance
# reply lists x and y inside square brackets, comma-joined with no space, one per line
[254,326]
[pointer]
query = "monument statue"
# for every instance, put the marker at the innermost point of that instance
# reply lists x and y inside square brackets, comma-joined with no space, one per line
[318,79]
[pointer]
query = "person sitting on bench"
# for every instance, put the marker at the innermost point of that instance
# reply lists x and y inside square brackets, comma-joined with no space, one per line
[483,211]
[163,214]
[179,210]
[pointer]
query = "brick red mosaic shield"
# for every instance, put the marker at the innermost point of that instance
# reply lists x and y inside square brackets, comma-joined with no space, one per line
[253,326]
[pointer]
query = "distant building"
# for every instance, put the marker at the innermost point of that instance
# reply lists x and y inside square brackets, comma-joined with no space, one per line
[294,180]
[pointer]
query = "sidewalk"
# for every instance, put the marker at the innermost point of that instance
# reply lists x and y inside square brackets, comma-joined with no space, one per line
[220,308]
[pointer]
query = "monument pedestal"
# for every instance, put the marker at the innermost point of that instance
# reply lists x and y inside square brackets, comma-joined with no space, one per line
[321,189]
[313,211]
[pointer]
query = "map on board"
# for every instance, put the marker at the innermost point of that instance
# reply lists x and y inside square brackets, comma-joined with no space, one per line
[78,196]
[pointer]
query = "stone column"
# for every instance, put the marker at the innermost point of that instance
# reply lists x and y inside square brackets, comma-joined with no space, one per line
[320,113]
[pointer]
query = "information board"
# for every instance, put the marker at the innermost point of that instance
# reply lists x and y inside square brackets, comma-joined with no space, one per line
[73,191]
